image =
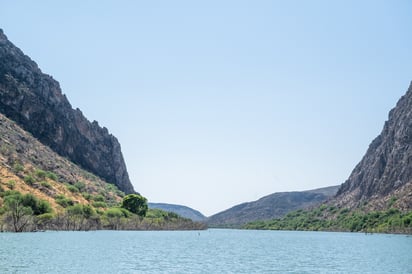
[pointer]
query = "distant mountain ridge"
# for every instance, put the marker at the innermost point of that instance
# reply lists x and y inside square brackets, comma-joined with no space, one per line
[34,100]
[275,205]
[181,210]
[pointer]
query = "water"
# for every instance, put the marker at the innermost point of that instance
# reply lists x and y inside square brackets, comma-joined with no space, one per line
[211,251]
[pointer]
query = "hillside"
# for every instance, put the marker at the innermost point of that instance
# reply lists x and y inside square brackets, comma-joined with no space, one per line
[58,171]
[272,206]
[65,196]
[183,211]
[377,197]
[385,172]
[29,166]
[35,101]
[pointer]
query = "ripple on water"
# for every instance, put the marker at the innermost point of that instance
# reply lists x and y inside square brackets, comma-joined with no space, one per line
[212,251]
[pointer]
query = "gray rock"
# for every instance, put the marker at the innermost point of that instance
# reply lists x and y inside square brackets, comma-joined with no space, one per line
[34,100]
[386,168]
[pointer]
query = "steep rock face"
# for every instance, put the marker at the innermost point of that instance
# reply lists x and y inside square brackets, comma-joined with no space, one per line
[22,156]
[386,169]
[34,100]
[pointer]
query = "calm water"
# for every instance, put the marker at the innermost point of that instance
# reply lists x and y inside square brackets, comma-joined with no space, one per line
[211,251]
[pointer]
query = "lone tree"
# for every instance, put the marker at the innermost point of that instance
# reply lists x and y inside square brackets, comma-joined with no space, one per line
[21,210]
[19,214]
[136,204]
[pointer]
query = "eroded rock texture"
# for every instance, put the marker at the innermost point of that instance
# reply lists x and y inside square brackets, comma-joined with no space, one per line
[386,169]
[34,100]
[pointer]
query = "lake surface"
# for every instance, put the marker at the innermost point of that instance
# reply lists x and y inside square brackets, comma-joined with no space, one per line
[210,251]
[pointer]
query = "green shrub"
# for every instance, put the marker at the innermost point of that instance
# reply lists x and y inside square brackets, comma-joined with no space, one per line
[9,193]
[85,211]
[99,204]
[11,184]
[99,198]
[332,209]
[407,221]
[46,184]
[6,149]
[43,207]
[38,206]
[392,201]
[28,179]
[63,201]
[80,186]
[344,211]
[120,193]
[110,187]
[87,196]
[117,212]
[41,174]
[72,189]
[44,218]
[51,176]
[17,167]
[88,211]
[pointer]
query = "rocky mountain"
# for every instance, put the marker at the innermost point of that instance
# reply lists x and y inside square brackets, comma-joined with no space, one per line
[377,196]
[383,178]
[35,102]
[49,192]
[272,206]
[183,211]
[28,166]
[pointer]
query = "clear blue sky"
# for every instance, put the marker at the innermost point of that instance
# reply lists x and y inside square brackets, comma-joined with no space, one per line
[221,102]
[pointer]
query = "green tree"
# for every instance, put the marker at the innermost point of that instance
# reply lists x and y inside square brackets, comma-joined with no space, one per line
[38,206]
[18,214]
[135,203]
[115,217]
[78,217]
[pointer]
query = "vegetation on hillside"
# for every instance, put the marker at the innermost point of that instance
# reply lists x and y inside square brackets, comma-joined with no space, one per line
[69,197]
[25,212]
[331,218]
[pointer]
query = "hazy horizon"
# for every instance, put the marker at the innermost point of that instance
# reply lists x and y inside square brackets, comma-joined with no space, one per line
[224,102]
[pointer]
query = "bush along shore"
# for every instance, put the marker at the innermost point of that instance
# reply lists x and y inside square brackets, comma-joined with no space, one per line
[25,213]
[331,218]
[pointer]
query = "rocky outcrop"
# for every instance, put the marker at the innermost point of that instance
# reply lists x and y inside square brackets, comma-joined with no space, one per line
[275,205]
[385,172]
[34,101]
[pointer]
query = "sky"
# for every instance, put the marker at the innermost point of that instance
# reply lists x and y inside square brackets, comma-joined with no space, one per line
[217,103]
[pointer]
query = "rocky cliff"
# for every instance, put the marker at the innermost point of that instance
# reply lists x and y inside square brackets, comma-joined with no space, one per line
[28,166]
[384,176]
[35,101]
